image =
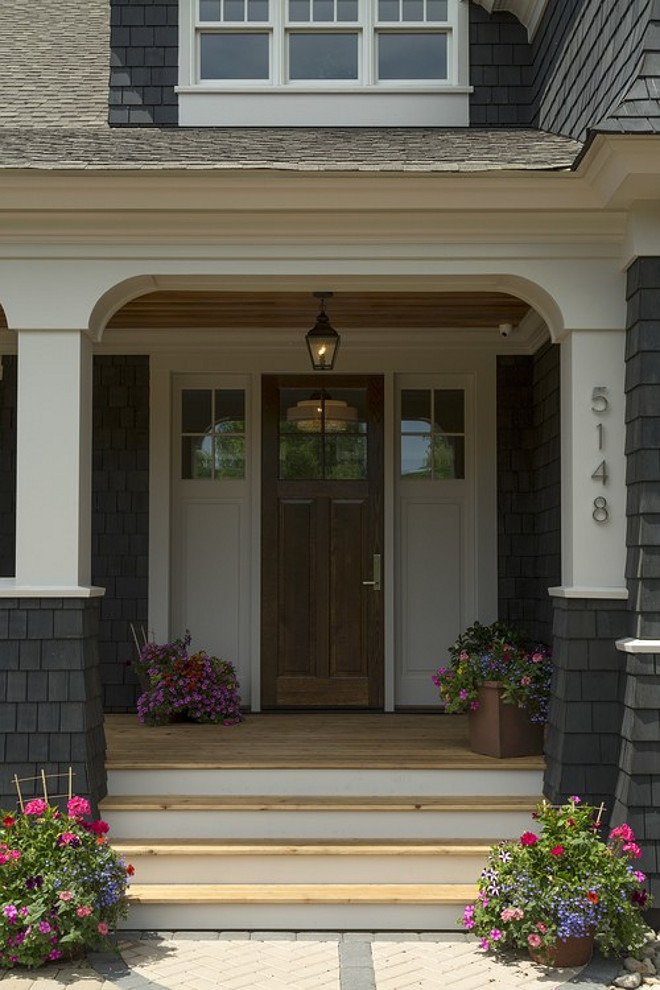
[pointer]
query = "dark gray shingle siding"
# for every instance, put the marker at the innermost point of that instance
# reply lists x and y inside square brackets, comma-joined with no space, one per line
[500,70]
[144,41]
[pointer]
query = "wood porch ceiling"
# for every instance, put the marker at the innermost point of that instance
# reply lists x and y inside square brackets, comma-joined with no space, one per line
[297,310]
[303,740]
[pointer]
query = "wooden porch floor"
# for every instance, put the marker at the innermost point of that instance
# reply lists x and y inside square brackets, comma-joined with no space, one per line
[303,740]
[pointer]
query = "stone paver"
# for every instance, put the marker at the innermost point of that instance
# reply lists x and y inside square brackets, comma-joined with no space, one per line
[302,961]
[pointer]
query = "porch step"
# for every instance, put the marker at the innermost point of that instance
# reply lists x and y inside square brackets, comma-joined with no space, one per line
[298,906]
[266,861]
[329,817]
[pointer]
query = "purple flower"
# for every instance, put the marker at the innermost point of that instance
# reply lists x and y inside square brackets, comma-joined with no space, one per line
[44,927]
[10,912]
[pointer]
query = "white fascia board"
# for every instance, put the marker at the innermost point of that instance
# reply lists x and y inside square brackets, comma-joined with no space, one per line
[590,592]
[631,645]
[11,588]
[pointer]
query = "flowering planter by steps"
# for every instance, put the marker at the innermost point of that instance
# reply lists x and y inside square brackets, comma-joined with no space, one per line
[502,730]
[575,951]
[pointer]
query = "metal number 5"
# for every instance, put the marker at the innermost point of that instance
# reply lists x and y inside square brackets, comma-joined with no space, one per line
[599,401]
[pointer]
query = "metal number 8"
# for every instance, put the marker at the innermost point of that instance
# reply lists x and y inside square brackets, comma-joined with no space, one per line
[600,513]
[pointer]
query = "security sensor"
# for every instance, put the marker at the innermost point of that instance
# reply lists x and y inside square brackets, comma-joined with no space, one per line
[505,329]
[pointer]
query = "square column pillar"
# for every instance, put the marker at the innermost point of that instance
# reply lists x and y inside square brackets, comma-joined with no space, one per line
[54,449]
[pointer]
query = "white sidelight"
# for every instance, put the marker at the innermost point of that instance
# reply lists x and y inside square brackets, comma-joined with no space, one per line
[53,515]
[593,465]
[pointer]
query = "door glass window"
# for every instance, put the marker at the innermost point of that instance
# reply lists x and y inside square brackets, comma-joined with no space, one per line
[212,434]
[323,435]
[432,434]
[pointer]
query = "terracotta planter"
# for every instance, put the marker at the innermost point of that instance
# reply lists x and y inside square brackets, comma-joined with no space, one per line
[575,951]
[502,730]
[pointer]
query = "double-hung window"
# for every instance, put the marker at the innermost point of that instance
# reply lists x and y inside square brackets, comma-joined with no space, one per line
[316,62]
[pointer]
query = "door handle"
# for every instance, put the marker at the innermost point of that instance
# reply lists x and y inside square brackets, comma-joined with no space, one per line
[375,584]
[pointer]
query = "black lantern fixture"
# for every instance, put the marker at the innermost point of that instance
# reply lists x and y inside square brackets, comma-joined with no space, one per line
[322,339]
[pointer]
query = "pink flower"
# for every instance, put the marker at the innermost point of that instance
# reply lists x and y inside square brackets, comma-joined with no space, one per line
[526,680]
[65,895]
[495,934]
[623,832]
[557,851]
[102,928]
[575,799]
[44,927]
[633,849]
[484,944]
[536,657]
[54,954]
[462,694]
[15,854]
[534,940]
[67,839]
[512,914]
[541,927]
[639,876]
[84,911]
[529,839]
[474,706]
[35,807]
[78,806]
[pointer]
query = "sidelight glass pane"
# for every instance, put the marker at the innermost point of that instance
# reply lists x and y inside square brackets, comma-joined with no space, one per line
[323,56]
[346,457]
[448,410]
[448,458]
[416,410]
[196,457]
[229,457]
[230,411]
[209,10]
[301,458]
[416,458]
[412,55]
[196,415]
[234,56]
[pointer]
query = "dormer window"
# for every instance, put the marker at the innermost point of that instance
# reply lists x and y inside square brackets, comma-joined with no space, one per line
[296,62]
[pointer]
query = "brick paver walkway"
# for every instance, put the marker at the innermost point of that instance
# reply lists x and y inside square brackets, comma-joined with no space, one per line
[301,961]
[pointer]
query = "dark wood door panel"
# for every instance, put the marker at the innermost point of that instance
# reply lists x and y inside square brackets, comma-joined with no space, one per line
[322,639]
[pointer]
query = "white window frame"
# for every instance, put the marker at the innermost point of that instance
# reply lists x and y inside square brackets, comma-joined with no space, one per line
[364,101]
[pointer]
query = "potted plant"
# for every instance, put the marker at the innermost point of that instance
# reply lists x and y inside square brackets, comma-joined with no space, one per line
[553,893]
[179,686]
[62,887]
[503,680]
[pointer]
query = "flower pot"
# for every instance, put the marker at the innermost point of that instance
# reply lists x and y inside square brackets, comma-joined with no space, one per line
[575,951]
[502,730]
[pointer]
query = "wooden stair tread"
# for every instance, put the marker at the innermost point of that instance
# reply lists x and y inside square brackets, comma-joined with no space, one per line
[187,802]
[302,847]
[298,893]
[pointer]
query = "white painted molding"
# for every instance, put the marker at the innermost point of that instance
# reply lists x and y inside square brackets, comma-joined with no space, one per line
[615,594]
[631,645]
[528,12]
[10,588]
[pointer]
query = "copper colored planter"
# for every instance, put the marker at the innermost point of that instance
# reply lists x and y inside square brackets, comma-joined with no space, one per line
[502,730]
[575,951]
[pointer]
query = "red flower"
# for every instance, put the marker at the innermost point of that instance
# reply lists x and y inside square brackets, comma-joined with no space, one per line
[557,851]
[130,870]
[592,896]
[9,821]
[529,839]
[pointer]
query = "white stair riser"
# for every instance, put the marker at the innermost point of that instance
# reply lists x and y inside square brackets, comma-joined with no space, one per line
[294,917]
[164,824]
[320,782]
[174,869]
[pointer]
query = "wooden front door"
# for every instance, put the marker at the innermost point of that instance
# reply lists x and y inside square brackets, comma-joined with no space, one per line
[322,525]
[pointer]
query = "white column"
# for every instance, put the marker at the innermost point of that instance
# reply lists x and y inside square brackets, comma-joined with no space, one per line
[593,465]
[54,449]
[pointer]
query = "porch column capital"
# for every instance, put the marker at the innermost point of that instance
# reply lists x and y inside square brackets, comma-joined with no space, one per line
[54,447]
[593,464]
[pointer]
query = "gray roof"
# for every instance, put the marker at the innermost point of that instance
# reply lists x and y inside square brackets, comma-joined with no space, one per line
[295,148]
[637,111]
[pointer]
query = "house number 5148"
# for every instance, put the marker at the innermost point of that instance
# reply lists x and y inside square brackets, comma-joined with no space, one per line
[600,405]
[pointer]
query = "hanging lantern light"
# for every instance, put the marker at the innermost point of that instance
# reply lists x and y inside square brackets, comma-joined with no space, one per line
[322,340]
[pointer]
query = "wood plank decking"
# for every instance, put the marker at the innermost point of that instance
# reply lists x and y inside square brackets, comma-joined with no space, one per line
[304,740]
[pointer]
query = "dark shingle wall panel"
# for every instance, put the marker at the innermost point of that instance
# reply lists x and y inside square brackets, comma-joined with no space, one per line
[120,522]
[529,481]
[8,467]
[144,41]
[500,70]
[586,55]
